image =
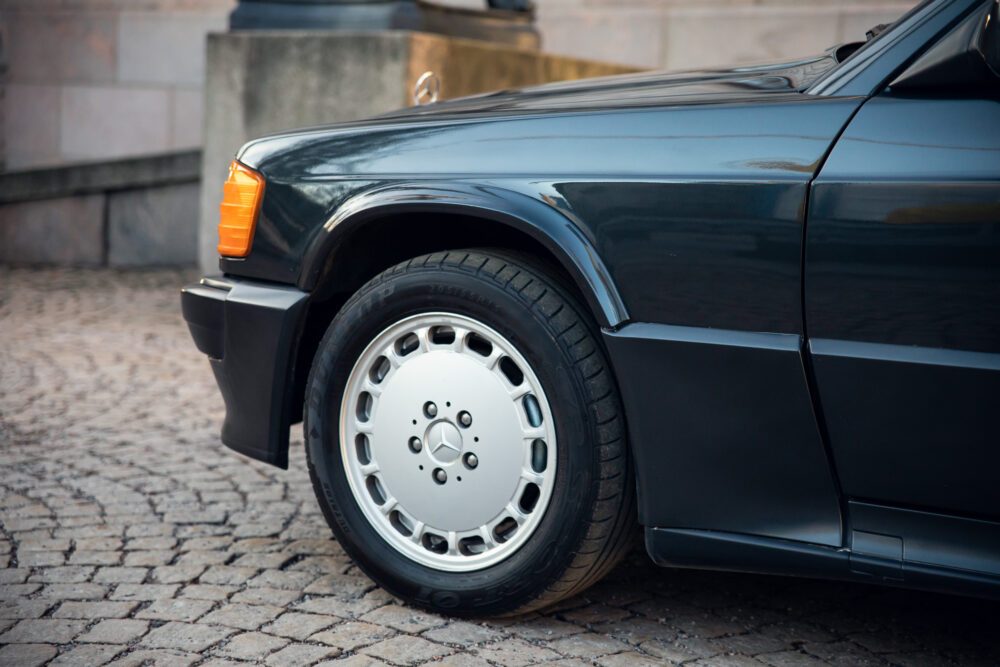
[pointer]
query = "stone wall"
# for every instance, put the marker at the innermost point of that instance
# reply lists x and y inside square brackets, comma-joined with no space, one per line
[136,212]
[97,79]
[685,34]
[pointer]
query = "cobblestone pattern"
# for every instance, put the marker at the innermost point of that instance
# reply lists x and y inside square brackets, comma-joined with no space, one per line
[131,536]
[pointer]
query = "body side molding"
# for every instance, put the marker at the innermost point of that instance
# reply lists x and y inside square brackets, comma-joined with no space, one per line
[905,354]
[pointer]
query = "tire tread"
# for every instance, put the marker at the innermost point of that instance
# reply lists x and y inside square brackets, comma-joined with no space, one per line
[607,535]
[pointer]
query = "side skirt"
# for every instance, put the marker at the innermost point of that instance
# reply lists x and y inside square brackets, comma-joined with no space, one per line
[735,552]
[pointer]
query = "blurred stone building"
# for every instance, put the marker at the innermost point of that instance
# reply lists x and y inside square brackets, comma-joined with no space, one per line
[96,79]
[112,146]
[685,34]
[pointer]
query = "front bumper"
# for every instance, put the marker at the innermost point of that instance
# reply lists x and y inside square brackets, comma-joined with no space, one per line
[249,330]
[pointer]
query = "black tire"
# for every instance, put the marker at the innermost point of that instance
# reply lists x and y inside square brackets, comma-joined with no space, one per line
[589,522]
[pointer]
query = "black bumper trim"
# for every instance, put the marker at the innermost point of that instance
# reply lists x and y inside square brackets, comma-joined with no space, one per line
[249,330]
[203,305]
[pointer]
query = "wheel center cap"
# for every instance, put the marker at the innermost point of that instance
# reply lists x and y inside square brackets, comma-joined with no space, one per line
[444,441]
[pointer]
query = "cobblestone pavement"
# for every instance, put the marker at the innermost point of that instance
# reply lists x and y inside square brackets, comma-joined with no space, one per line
[130,535]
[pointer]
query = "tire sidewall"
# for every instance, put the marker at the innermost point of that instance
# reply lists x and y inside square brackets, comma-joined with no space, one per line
[522,576]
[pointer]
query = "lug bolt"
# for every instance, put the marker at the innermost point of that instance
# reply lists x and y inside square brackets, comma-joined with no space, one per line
[440,476]
[430,409]
[464,418]
[471,460]
[415,444]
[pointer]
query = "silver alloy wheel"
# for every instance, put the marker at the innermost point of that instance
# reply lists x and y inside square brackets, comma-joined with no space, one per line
[448,442]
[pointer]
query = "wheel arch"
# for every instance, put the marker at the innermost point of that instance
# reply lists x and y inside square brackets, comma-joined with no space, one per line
[468,215]
[374,231]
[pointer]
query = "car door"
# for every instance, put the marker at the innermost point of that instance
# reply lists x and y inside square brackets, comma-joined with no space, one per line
[902,287]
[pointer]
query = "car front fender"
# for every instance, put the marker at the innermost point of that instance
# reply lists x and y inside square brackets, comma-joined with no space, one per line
[540,218]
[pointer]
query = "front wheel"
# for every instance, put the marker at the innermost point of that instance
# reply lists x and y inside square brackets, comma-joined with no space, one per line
[464,436]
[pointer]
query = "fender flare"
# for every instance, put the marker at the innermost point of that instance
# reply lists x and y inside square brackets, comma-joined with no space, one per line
[539,219]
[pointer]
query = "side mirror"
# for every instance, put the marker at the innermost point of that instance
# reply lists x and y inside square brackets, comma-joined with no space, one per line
[967,57]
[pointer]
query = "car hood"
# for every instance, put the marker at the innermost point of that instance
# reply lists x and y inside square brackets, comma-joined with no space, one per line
[630,90]
[763,83]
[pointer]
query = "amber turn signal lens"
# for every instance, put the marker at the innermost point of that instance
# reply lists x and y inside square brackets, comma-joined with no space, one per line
[241,197]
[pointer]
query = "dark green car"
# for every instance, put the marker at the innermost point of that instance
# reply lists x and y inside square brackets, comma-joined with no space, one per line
[756,311]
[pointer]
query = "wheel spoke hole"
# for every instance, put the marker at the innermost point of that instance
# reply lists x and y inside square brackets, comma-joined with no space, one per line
[532,410]
[471,546]
[510,371]
[435,543]
[400,523]
[375,489]
[364,408]
[442,335]
[478,344]
[363,449]
[379,370]
[504,530]
[539,455]
[407,344]
[529,498]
